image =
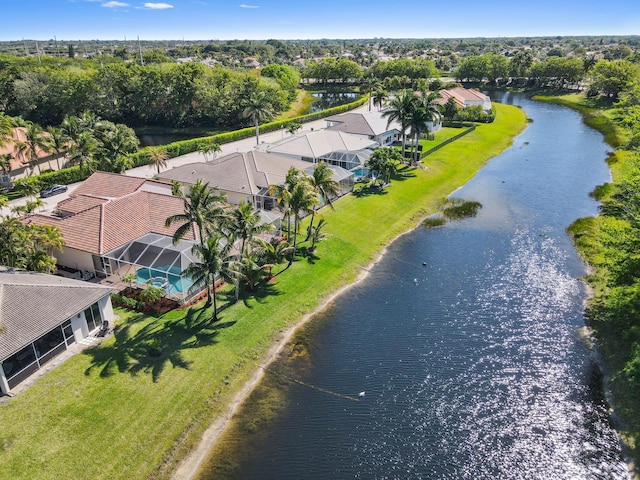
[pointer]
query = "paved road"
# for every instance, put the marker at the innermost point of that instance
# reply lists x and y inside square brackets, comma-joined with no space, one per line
[146,171]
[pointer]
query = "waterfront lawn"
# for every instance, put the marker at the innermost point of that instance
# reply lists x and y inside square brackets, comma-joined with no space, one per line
[116,412]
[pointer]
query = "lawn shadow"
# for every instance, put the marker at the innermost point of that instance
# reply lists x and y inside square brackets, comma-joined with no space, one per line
[369,190]
[265,290]
[155,346]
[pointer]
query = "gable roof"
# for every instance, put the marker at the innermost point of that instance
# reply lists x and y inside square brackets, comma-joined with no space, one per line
[462,96]
[318,143]
[242,172]
[109,185]
[100,228]
[50,300]
[362,123]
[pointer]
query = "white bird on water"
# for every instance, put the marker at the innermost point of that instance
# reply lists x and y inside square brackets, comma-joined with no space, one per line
[361,395]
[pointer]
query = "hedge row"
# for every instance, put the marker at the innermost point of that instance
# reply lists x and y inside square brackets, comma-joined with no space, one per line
[64,176]
[183,147]
[175,149]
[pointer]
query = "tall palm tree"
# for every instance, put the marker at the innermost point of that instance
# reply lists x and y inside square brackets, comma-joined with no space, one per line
[58,142]
[158,157]
[257,106]
[400,109]
[325,187]
[303,200]
[426,110]
[34,144]
[5,163]
[203,209]
[243,221]
[379,97]
[203,273]
[282,193]
[369,85]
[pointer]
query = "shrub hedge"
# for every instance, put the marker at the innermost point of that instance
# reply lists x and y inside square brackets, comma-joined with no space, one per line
[175,149]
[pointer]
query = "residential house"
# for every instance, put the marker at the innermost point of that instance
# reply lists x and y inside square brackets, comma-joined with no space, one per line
[246,176]
[41,316]
[115,224]
[368,125]
[334,147]
[465,98]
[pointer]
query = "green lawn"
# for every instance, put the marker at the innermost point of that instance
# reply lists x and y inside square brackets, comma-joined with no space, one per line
[114,412]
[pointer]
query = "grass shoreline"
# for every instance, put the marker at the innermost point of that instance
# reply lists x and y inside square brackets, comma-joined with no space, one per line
[620,395]
[138,417]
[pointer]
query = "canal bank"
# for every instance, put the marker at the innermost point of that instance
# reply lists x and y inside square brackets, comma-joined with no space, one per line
[464,338]
[415,197]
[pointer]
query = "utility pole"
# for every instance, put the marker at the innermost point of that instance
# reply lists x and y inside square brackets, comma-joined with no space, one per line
[38,53]
[140,51]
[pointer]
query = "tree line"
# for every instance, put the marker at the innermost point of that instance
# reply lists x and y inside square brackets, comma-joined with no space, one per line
[168,95]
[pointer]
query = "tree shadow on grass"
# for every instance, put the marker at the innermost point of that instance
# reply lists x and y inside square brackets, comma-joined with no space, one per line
[157,345]
[369,190]
[266,290]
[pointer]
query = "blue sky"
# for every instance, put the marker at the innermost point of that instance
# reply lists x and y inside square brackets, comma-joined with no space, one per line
[310,19]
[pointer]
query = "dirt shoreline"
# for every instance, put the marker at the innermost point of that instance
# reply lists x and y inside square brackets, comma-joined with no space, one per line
[190,464]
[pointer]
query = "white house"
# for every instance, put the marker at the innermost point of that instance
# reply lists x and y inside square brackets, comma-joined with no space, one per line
[465,98]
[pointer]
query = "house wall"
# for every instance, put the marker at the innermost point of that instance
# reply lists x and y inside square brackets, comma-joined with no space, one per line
[72,258]
[106,309]
[4,385]
[234,198]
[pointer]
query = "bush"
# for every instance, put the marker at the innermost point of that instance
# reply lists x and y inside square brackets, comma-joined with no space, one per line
[44,180]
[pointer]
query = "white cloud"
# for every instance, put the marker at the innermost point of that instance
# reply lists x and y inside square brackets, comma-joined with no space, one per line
[157,6]
[114,4]
[248,6]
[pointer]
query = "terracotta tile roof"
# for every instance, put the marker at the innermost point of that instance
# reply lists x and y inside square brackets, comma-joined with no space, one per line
[79,203]
[111,224]
[109,185]
[58,299]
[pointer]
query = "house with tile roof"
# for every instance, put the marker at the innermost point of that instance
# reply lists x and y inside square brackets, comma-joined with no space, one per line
[112,212]
[334,147]
[34,333]
[371,125]
[246,176]
[464,97]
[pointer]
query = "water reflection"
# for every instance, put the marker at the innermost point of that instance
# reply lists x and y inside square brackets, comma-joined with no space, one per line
[472,363]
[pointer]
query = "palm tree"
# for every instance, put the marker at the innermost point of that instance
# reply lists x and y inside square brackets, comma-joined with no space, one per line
[384,162]
[82,150]
[48,238]
[203,273]
[34,144]
[368,86]
[203,208]
[158,157]
[303,200]
[258,107]
[400,109]
[243,221]
[325,187]
[293,127]
[6,128]
[379,97]
[317,235]
[209,148]
[283,194]
[272,253]
[426,110]
[116,142]
[58,142]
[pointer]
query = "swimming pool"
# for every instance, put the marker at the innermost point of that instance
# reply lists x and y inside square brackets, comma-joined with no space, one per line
[167,277]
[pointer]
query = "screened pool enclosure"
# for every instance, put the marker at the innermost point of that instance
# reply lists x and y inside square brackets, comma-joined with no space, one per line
[154,259]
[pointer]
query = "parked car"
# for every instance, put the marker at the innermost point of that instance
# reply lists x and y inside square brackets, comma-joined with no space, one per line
[53,190]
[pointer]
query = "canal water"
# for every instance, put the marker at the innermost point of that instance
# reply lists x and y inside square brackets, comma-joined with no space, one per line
[472,363]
